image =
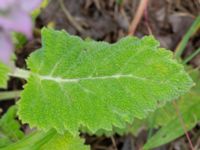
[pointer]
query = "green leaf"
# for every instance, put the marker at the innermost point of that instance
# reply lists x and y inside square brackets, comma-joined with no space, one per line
[97,85]
[19,40]
[9,128]
[50,140]
[188,107]
[4,70]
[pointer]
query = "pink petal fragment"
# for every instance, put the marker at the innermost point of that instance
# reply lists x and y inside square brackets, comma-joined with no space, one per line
[18,21]
[6,47]
[5,4]
[30,5]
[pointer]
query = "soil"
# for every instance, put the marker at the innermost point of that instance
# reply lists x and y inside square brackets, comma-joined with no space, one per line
[109,20]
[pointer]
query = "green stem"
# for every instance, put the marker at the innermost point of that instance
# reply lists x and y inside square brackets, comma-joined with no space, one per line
[20,73]
[151,127]
[191,56]
[7,95]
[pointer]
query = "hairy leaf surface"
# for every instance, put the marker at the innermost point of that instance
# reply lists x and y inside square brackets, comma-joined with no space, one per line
[4,70]
[97,85]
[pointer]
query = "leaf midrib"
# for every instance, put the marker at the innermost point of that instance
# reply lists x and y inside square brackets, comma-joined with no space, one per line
[76,80]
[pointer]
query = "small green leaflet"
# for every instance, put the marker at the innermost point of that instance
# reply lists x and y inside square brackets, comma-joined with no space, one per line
[82,83]
[50,140]
[9,128]
[4,70]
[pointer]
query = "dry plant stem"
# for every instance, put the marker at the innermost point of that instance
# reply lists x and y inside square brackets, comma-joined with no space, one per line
[69,17]
[147,22]
[138,16]
[114,143]
[183,125]
[96,2]
[197,146]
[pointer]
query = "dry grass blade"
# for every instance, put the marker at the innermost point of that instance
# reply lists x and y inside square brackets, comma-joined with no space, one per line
[138,16]
[70,18]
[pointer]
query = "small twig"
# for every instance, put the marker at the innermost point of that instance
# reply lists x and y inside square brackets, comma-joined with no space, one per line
[183,125]
[138,16]
[96,2]
[99,147]
[147,21]
[197,145]
[69,17]
[114,143]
